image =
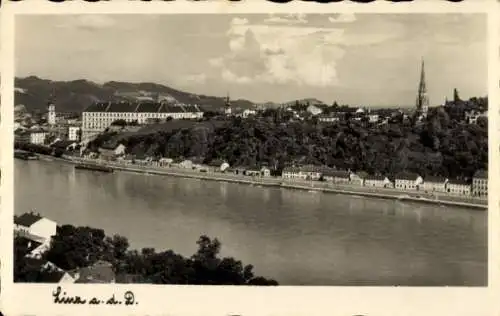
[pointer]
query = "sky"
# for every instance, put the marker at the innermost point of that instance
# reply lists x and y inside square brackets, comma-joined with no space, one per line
[356,59]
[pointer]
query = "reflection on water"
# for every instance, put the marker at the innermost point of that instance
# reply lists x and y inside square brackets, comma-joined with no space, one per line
[296,237]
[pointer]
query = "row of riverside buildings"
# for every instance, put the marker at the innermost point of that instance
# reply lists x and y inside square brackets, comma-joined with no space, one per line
[406,182]
[99,116]
[409,182]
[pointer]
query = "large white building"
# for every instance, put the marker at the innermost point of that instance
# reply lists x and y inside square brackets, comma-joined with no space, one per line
[74,133]
[38,136]
[34,226]
[480,183]
[99,116]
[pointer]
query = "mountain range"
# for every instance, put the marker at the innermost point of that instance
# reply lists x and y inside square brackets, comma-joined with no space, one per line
[74,96]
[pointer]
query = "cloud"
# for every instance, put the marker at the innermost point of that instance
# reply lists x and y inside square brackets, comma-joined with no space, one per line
[216,62]
[298,18]
[239,21]
[281,54]
[88,21]
[343,18]
[229,76]
[196,78]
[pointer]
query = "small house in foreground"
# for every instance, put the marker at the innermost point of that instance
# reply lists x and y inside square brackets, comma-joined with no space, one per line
[33,224]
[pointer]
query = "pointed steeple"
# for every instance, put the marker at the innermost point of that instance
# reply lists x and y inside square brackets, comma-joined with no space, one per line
[422,103]
[422,86]
[228,105]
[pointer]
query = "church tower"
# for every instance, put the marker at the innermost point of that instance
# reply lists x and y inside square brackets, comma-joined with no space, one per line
[422,98]
[51,115]
[227,110]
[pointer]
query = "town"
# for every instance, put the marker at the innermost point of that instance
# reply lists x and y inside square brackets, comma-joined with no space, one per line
[86,138]
[252,149]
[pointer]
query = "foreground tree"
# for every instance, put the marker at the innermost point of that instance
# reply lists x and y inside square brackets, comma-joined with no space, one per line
[77,247]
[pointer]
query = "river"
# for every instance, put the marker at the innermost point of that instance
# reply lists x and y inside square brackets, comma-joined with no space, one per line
[296,237]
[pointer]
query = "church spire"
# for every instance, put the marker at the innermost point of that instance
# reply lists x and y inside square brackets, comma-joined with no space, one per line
[422,103]
[422,87]
[228,105]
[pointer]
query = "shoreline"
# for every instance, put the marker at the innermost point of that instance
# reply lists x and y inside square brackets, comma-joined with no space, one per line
[389,194]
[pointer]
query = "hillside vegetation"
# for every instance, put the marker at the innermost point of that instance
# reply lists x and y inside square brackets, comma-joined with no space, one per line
[441,145]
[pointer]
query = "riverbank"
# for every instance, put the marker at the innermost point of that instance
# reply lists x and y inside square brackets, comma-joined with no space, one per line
[381,193]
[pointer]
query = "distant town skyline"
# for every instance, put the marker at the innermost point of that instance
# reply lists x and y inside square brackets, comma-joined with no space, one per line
[357,59]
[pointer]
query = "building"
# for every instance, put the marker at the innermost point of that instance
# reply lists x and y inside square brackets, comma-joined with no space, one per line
[227,109]
[258,172]
[31,247]
[408,181]
[35,226]
[328,118]
[336,176]
[265,172]
[99,116]
[373,118]
[253,172]
[51,115]
[472,116]
[480,183]
[99,272]
[314,110]
[359,177]
[308,172]
[74,133]
[422,103]
[107,152]
[38,136]
[49,272]
[458,187]
[246,113]
[378,181]
[435,184]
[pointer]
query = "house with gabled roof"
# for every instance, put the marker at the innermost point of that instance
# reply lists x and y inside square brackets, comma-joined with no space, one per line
[408,181]
[48,272]
[459,187]
[34,247]
[336,176]
[35,225]
[111,152]
[378,181]
[435,184]
[480,183]
[307,172]
[359,177]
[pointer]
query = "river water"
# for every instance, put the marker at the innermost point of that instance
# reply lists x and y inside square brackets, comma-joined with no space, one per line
[296,237]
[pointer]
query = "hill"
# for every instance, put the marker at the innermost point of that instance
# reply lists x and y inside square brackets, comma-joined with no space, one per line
[76,95]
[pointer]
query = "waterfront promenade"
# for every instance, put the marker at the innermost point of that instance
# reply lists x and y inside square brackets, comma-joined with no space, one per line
[384,193]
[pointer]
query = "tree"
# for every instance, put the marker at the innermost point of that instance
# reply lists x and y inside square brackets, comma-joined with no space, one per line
[77,247]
